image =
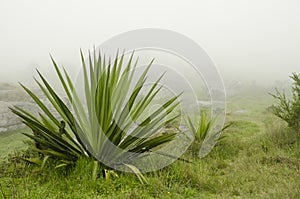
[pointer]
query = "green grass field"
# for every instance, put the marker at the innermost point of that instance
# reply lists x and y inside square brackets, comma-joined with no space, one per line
[258,158]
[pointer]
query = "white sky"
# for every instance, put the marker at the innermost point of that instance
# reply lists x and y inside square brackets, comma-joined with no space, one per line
[247,38]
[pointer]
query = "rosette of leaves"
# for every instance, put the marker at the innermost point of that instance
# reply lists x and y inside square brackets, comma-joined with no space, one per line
[112,105]
[201,128]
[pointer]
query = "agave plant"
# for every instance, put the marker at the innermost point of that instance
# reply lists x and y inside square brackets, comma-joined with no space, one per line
[201,128]
[111,115]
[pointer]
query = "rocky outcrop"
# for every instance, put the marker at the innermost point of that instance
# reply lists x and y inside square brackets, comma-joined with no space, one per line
[8,120]
[15,97]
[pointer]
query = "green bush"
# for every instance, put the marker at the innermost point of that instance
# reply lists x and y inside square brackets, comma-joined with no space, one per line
[288,109]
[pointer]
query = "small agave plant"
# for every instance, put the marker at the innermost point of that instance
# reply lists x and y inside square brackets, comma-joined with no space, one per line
[109,111]
[201,128]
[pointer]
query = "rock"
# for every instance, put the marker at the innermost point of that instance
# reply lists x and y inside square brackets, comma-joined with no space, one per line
[8,120]
[10,96]
[240,112]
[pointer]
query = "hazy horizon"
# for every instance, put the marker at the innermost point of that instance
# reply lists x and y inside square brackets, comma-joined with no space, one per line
[248,40]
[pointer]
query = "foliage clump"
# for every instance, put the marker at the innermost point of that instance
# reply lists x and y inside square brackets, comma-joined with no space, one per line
[201,128]
[104,125]
[288,109]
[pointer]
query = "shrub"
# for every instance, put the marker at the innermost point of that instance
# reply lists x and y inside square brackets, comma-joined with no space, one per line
[289,109]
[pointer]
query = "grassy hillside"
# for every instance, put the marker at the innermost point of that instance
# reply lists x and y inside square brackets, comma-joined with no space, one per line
[258,158]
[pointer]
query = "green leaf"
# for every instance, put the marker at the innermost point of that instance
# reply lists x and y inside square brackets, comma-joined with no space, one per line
[137,172]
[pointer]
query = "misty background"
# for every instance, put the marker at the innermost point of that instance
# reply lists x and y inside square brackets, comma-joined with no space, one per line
[253,41]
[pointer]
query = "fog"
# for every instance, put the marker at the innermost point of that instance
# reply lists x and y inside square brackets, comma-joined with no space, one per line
[249,41]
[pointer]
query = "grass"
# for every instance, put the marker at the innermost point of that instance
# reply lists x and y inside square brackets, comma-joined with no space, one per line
[11,141]
[258,158]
